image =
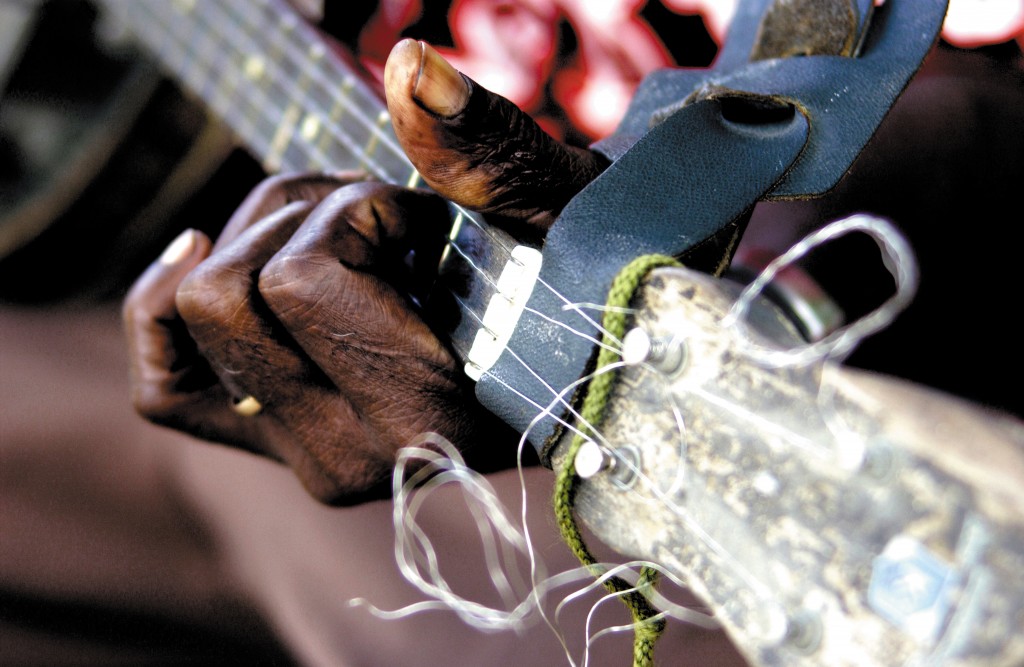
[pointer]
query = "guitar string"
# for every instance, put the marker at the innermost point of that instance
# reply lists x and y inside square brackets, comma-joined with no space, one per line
[339,133]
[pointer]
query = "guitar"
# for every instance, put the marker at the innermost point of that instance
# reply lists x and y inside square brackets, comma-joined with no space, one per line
[820,526]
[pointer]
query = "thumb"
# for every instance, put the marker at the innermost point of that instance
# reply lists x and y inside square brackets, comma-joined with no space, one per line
[475,147]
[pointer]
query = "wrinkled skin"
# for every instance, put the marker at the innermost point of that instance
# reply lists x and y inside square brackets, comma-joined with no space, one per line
[303,302]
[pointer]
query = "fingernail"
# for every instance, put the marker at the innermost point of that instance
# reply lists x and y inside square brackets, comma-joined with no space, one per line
[439,86]
[179,248]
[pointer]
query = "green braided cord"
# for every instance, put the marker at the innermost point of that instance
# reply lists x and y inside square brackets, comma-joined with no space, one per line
[648,628]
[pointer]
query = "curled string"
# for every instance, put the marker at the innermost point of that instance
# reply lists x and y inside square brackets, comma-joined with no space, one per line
[419,564]
[418,560]
[897,257]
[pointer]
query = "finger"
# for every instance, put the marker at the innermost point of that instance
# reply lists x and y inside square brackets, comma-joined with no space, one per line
[172,384]
[477,148]
[347,315]
[159,356]
[279,191]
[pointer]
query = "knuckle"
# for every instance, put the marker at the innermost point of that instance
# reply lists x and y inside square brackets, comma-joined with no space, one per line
[293,276]
[292,285]
[277,186]
[270,192]
[279,190]
[212,293]
[285,188]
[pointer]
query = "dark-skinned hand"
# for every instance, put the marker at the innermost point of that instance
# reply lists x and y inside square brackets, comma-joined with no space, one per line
[302,302]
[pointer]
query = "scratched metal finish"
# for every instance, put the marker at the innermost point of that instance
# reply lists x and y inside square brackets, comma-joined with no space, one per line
[804,547]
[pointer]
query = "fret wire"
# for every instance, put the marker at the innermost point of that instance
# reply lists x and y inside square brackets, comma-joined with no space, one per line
[231,10]
[276,34]
[282,138]
[200,63]
[222,94]
[263,112]
[382,119]
[312,121]
[337,111]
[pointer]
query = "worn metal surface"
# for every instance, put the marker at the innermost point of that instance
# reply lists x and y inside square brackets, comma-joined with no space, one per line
[829,517]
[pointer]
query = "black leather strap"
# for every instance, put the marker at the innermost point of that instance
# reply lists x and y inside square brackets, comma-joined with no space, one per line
[696,151]
[844,98]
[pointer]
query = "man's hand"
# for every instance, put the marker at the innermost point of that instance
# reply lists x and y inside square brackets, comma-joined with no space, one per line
[303,302]
[477,148]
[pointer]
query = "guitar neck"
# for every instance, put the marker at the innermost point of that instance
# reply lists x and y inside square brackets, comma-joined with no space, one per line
[296,105]
[290,99]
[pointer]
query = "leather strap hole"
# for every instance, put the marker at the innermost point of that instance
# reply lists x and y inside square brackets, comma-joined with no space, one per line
[756,111]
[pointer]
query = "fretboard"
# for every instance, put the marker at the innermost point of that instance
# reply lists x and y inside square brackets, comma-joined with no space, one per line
[297,106]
